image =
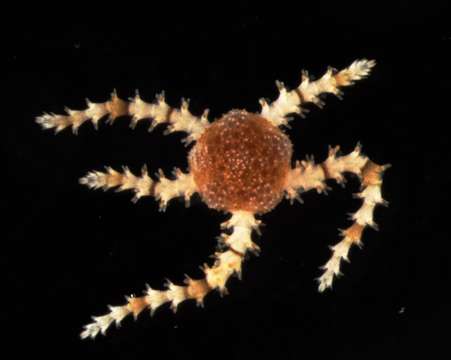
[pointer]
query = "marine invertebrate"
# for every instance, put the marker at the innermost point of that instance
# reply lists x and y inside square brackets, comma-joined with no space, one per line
[240,164]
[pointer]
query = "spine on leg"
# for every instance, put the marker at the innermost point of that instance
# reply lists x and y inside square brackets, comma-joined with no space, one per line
[308,91]
[158,112]
[226,264]
[371,179]
[307,175]
[163,190]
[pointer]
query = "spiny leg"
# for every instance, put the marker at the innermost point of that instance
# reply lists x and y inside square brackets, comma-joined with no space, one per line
[307,175]
[308,91]
[226,264]
[158,112]
[163,190]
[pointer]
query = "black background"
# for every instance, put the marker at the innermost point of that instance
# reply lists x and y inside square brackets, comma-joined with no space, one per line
[68,251]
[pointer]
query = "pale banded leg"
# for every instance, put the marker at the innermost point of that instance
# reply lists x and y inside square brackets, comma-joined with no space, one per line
[307,175]
[293,101]
[157,112]
[163,190]
[226,264]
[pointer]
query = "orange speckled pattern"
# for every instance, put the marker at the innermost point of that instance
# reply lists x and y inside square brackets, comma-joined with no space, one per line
[241,163]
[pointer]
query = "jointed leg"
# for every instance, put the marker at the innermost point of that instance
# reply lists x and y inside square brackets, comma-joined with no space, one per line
[307,175]
[226,264]
[158,112]
[293,101]
[163,190]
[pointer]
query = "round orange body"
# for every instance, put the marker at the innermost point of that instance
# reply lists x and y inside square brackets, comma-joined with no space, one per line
[241,162]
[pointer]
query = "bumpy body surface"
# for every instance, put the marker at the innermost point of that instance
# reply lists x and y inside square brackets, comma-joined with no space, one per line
[241,162]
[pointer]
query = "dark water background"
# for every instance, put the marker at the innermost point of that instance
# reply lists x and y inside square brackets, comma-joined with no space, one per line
[68,252]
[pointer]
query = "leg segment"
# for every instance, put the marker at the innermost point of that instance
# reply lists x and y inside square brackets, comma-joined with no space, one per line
[158,112]
[163,190]
[307,175]
[226,264]
[308,91]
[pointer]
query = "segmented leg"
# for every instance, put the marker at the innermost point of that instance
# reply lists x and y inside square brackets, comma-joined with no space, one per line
[158,112]
[226,264]
[307,175]
[308,91]
[163,190]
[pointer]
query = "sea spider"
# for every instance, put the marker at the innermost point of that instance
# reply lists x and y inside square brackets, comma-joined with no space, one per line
[240,164]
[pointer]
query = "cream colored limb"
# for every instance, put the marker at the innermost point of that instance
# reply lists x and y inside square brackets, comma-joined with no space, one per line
[308,91]
[307,175]
[163,190]
[226,264]
[158,112]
